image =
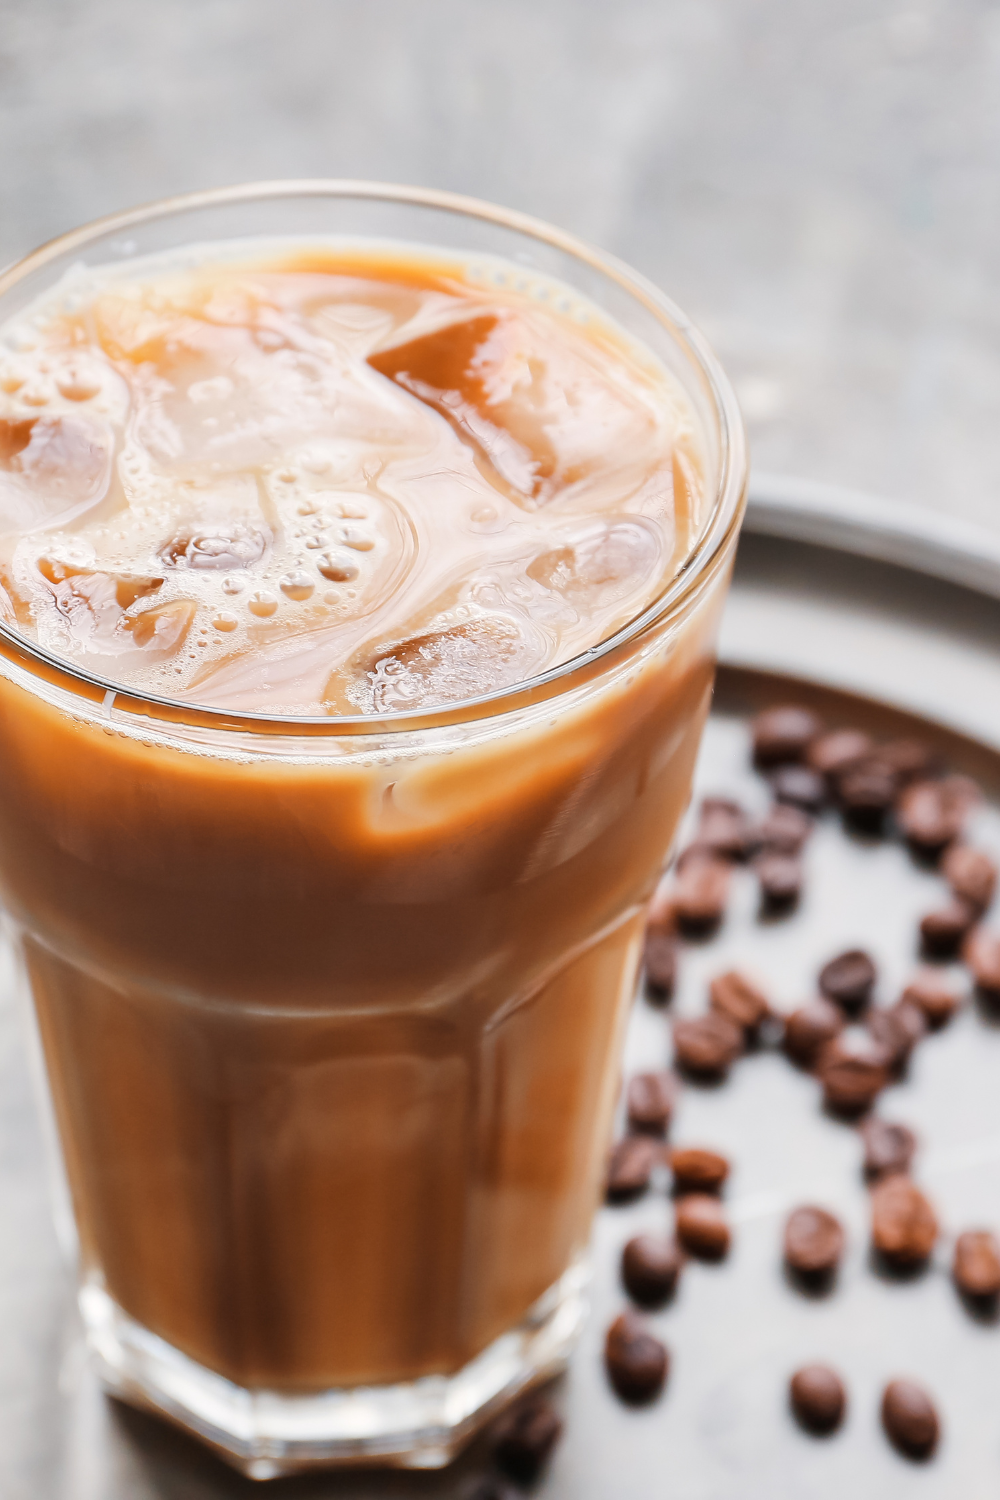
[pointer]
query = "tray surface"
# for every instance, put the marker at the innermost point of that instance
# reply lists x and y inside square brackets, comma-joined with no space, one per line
[735,1331]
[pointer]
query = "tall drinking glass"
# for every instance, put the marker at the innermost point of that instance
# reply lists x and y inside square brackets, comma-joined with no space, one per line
[331,1008]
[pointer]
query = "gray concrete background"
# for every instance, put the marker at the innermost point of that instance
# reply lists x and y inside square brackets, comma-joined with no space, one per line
[818,183]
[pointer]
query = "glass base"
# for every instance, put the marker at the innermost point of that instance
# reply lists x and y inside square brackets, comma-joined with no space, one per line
[419,1425]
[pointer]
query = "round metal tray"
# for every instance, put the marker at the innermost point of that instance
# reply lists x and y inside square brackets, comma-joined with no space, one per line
[877,615]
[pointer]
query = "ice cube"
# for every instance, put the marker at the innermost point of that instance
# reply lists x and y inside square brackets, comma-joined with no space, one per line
[237,545]
[598,566]
[52,469]
[544,404]
[461,660]
[92,605]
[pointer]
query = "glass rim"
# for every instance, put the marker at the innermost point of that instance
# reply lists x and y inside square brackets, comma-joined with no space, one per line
[711,544]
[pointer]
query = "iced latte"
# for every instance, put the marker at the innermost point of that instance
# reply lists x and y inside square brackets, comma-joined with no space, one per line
[358,607]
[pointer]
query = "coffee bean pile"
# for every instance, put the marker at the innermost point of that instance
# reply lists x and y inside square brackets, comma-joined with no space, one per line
[853,1047]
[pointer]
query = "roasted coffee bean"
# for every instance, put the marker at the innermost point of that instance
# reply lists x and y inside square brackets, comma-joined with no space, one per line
[799,786]
[651,1264]
[525,1437]
[724,829]
[853,1072]
[707,1046]
[784,830]
[701,1226]
[904,1225]
[866,793]
[635,1359]
[737,998]
[897,1029]
[889,1148]
[833,754]
[700,893]
[911,760]
[818,1398]
[982,954]
[808,1029]
[782,734]
[660,963]
[848,980]
[910,1419]
[944,930]
[650,1100]
[697,1170]
[931,816]
[781,879]
[976,1267]
[971,874]
[933,996]
[814,1242]
[630,1167]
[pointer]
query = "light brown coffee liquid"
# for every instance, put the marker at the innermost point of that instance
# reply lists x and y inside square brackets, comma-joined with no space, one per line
[333,1033]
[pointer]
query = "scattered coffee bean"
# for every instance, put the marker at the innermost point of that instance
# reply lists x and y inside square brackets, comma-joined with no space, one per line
[818,1398]
[701,892]
[848,980]
[660,962]
[976,1267]
[782,734]
[833,754]
[853,1071]
[697,1170]
[784,830]
[781,879]
[651,1264]
[912,760]
[707,1046]
[808,1029]
[930,816]
[897,1029]
[650,1100]
[701,1226]
[933,996]
[737,998]
[723,829]
[889,1148]
[904,1225]
[799,786]
[971,874]
[635,1359]
[814,1242]
[944,930]
[982,954]
[910,1419]
[630,1167]
[525,1437]
[866,792]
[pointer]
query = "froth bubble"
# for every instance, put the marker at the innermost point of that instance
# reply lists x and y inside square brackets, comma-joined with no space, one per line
[75,385]
[225,620]
[232,585]
[350,510]
[352,537]
[262,603]
[297,585]
[35,395]
[337,567]
[315,542]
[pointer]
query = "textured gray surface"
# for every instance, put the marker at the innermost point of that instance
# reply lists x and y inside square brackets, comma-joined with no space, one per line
[818,184]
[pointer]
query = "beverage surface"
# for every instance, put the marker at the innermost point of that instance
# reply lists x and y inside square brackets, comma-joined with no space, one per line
[330,482]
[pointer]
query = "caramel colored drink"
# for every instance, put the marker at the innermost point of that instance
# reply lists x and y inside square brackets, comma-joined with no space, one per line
[359,602]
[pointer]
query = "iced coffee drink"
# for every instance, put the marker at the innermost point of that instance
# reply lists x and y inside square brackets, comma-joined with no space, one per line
[358,604]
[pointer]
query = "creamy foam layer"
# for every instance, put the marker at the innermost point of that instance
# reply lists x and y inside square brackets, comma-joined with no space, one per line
[333,482]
